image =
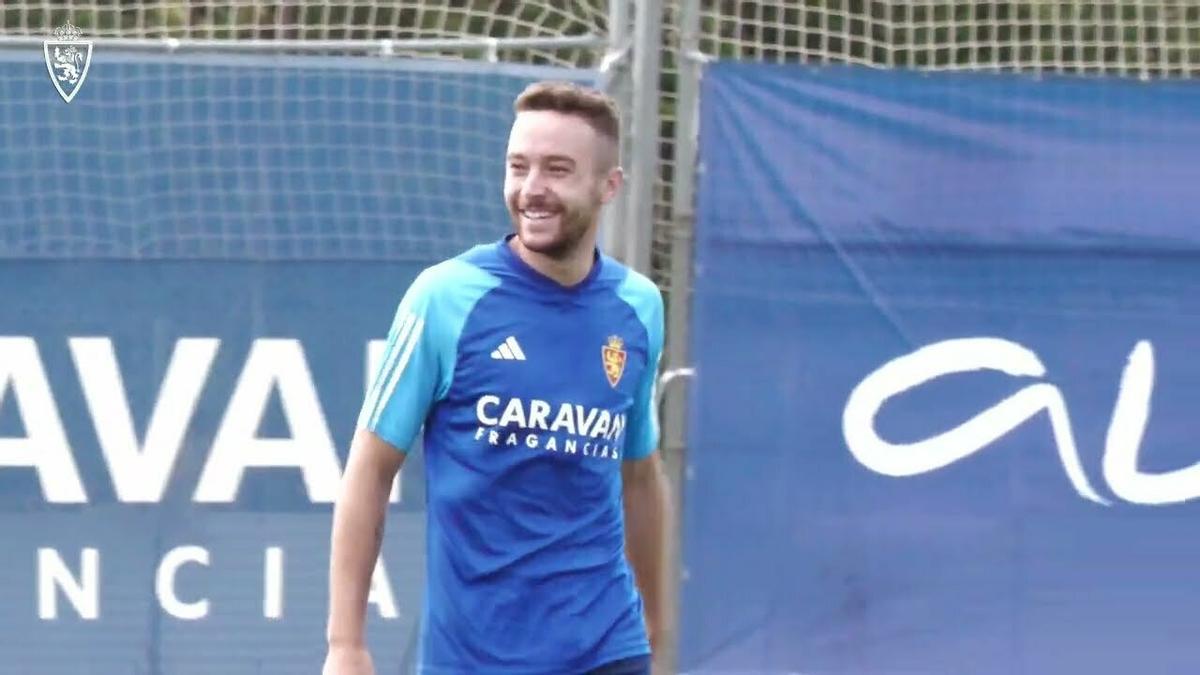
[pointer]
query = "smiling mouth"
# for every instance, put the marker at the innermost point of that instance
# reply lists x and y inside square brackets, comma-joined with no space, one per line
[538,214]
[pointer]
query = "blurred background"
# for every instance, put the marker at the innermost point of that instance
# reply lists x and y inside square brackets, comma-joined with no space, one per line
[932,272]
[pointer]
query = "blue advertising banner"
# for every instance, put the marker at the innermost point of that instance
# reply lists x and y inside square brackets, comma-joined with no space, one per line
[945,331]
[171,437]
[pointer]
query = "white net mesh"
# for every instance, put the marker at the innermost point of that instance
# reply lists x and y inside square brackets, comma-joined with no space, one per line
[1138,38]
[1124,37]
[342,20]
[206,151]
[1129,38]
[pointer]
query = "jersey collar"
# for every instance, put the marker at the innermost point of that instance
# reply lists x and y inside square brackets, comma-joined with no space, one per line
[535,277]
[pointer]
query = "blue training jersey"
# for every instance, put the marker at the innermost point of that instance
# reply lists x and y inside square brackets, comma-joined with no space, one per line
[531,395]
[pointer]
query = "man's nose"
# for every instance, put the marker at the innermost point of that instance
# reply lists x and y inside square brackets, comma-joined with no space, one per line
[534,184]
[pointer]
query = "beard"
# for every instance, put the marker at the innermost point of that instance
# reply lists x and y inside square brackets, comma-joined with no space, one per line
[563,232]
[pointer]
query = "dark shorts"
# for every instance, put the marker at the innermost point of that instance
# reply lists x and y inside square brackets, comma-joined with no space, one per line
[634,665]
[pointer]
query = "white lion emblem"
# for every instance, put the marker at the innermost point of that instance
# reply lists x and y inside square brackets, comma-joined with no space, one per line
[67,60]
[69,63]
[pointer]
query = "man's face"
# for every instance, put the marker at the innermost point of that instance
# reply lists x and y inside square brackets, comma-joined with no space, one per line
[557,178]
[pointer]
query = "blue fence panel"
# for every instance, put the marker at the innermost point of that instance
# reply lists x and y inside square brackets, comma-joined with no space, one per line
[256,158]
[944,332]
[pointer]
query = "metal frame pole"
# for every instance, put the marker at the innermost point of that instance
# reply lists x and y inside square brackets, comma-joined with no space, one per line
[615,81]
[386,47]
[678,317]
[643,149]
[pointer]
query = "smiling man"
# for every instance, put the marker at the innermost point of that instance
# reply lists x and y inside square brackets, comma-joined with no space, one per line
[530,365]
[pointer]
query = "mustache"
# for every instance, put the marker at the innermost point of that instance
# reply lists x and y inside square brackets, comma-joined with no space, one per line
[537,204]
[526,201]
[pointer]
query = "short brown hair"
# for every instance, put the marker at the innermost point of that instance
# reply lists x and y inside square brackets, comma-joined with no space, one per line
[596,107]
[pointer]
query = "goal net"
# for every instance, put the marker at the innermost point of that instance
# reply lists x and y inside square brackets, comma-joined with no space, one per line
[273,130]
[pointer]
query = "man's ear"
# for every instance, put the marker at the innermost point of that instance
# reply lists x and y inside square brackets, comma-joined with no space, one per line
[613,180]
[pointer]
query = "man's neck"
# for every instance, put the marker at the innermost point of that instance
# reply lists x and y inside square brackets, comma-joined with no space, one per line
[568,270]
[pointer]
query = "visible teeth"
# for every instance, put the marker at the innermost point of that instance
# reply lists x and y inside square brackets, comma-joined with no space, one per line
[537,215]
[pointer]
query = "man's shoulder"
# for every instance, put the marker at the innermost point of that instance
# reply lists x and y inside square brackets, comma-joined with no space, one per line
[642,295]
[633,286]
[463,276]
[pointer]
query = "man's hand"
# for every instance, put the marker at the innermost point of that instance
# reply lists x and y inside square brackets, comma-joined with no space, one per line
[347,660]
[658,665]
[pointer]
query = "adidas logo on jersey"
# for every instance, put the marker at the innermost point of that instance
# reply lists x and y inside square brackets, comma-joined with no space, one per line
[509,350]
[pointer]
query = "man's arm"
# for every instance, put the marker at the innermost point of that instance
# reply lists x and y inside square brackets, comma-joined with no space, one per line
[403,390]
[647,519]
[358,522]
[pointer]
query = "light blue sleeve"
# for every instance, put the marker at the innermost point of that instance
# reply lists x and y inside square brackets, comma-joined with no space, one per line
[642,432]
[421,349]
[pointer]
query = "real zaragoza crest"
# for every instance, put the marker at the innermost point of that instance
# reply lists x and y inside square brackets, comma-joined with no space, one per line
[67,59]
[614,359]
